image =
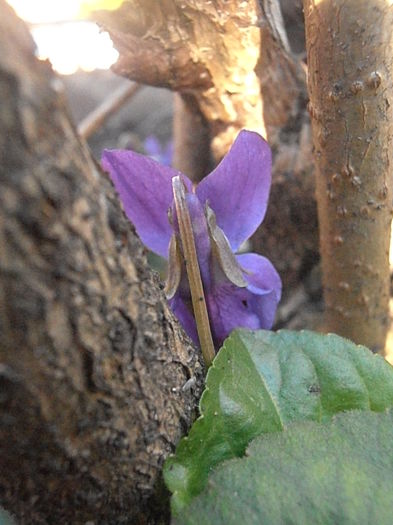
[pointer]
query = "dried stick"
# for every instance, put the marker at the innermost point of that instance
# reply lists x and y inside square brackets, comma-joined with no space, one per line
[109,107]
[193,272]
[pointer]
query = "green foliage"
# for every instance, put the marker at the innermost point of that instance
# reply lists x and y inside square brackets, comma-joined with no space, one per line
[339,472]
[262,381]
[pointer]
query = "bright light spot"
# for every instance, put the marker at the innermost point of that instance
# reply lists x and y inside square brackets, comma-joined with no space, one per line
[74,46]
[39,11]
[87,6]
[69,45]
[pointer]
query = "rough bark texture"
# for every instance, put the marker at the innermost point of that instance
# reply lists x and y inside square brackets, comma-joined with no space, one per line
[350,60]
[92,363]
[232,60]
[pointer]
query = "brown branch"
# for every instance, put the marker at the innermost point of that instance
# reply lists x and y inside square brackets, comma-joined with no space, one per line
[97,118]
[209,49]
[350,60]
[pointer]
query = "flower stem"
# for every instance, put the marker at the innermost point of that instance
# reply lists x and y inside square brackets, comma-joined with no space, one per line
[193,272]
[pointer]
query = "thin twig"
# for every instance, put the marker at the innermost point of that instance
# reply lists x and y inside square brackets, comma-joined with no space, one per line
[193,272]
[94,120]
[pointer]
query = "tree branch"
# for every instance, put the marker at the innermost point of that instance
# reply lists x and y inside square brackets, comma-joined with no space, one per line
[350,59]
[207,49]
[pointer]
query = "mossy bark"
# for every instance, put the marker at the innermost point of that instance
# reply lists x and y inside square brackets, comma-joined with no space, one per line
[350,64]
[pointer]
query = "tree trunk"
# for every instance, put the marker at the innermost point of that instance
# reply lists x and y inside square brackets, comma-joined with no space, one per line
[93,364]
[350,60]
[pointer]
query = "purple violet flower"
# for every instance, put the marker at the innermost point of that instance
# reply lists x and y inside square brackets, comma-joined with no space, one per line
[225,209]
[154,149]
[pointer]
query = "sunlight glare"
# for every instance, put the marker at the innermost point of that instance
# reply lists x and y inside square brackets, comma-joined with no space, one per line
[42,11]
[70,44]
[74,46]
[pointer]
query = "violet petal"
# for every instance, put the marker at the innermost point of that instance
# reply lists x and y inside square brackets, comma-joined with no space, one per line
[152,147]
[185,317]
[253,307]
[260,274]
[264,283]
[145,189]
[228,307]
[265,307]
[238,189]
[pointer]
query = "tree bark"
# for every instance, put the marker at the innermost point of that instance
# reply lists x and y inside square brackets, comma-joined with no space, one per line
[350,60]
[93,366]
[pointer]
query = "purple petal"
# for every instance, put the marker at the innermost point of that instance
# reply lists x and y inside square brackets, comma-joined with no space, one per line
[265,307]
[145,189]
[228,307]
[185,317]
[264,283]
[152,147]
[253,307]
[260,274]
[155,150]
[167,154]
[238,189]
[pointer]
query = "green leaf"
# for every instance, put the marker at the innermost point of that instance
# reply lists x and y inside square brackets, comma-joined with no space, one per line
[339,472]
[261,382]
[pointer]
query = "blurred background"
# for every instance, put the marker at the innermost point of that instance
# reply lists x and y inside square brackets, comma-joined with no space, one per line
[82,55]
